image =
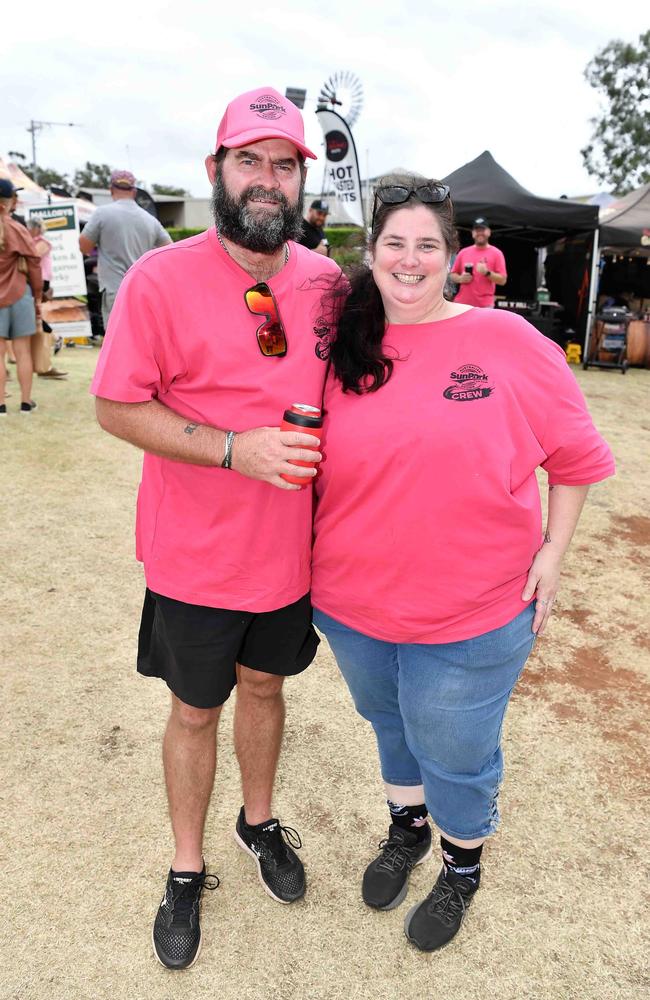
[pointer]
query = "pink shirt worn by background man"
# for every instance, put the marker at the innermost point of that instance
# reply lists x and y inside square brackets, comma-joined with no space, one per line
[480,291]
[426,528]
[180,332]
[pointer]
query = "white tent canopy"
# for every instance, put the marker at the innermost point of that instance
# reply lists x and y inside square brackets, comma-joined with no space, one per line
[33,194]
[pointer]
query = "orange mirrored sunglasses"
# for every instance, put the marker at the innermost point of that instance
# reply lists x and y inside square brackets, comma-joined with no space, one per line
[271,337]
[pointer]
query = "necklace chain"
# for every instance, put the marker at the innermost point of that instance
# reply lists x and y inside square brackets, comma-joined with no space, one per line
[224,247]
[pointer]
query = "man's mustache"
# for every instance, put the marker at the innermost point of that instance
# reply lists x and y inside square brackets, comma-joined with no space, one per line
[261,194]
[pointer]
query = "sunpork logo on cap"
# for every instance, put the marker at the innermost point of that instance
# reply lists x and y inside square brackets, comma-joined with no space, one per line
[267,107]
[470,384]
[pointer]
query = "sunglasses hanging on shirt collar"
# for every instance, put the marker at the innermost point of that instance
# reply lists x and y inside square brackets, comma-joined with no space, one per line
[271,336]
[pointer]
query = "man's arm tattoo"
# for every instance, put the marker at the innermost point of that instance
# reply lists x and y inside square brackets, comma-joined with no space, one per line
[190,428]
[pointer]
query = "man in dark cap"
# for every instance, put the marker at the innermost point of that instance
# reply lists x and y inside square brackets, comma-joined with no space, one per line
[122,233]
[313,235]
[479,268]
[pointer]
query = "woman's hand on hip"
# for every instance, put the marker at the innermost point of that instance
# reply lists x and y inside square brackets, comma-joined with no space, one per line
[542,584]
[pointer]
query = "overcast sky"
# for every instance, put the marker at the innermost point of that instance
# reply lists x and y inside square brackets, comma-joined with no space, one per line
[442,81]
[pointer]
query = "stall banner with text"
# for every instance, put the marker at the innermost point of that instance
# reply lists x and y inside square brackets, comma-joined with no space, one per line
[61,229]
[342,171]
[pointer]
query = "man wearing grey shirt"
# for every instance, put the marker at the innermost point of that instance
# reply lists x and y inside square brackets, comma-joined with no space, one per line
[122,233]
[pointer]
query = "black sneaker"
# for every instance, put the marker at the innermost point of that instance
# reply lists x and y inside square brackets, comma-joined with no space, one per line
[434,922]
[3,409]
[27,407]
[385,880]
[279,868]
[176,929]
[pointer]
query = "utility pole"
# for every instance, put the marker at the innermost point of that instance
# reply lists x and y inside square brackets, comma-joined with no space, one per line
[36,126]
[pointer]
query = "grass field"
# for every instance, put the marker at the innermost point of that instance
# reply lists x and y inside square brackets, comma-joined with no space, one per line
[85,840]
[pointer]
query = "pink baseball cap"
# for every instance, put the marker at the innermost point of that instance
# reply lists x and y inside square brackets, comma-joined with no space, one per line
[262,114]
[122,179]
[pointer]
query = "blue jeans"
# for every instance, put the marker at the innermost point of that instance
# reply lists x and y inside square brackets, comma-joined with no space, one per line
[437,711]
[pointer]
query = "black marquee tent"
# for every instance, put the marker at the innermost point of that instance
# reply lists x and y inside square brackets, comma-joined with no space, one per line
[521,223]
[483,187]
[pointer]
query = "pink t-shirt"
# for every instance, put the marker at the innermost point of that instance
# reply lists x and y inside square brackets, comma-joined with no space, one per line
[429,513]
[180,332]
[480,290]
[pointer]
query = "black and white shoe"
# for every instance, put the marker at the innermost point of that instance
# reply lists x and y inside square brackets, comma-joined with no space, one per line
[436,920]
[279,868]
[177,929]
[385,880]
[27,407]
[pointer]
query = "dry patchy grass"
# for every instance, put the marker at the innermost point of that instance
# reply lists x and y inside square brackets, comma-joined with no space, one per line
[85,835]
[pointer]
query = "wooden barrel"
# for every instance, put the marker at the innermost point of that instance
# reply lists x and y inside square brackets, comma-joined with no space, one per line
[596,335]
[638,343]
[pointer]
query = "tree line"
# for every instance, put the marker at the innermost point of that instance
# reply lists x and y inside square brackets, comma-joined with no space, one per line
[92,175]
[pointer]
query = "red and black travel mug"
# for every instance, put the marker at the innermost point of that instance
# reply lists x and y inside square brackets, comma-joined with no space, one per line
[308,420]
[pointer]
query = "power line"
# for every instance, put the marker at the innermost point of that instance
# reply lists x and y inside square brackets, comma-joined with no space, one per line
[36,126]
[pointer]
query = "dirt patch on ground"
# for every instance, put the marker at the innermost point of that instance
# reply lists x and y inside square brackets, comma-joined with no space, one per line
[636,529]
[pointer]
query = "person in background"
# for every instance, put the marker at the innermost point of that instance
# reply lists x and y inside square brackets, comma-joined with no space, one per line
[20,219]
[313,233]
[21,288]
[43,363]
[210,340]
[122,233]
[431,573]
[16,216]
[478,269]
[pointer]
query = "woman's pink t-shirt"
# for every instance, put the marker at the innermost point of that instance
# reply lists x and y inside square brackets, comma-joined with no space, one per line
[180,332]
[429,514]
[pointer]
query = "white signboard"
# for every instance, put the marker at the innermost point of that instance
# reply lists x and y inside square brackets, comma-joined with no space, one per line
[342,171]
[61,229]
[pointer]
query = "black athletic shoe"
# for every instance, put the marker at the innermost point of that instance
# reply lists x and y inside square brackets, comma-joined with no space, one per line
[279,868]
[434,922]
[385,880]
[27,407]
[176,929]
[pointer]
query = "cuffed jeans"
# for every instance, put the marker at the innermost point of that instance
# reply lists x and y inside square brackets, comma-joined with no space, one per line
[438,711]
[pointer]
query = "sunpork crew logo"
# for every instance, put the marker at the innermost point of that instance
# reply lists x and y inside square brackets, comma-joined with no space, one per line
[470,384]
[336,146]
[268,108]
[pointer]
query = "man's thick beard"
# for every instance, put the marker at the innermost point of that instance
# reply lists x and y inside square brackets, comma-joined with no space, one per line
[263,233]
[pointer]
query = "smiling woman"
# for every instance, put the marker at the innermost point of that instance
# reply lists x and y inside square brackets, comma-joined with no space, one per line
[410,265]
[431,576]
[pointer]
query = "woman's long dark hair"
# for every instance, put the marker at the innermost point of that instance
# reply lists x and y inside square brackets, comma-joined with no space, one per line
[360,360]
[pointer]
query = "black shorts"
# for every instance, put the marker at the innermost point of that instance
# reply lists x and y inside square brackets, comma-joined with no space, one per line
[195,649]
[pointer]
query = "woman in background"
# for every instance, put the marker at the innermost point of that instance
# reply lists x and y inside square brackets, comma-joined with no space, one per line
[21,287]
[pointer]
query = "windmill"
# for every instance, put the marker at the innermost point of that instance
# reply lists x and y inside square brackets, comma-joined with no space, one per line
[343,92]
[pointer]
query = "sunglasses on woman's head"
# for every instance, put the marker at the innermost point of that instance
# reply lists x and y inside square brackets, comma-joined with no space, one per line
[271,337]
[398,194]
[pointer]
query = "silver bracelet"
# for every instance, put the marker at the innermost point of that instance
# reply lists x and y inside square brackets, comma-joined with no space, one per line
[227,455]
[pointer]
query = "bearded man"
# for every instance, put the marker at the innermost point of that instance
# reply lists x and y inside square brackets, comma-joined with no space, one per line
[210,340]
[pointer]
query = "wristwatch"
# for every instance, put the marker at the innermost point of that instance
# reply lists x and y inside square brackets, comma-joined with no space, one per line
[488,274]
